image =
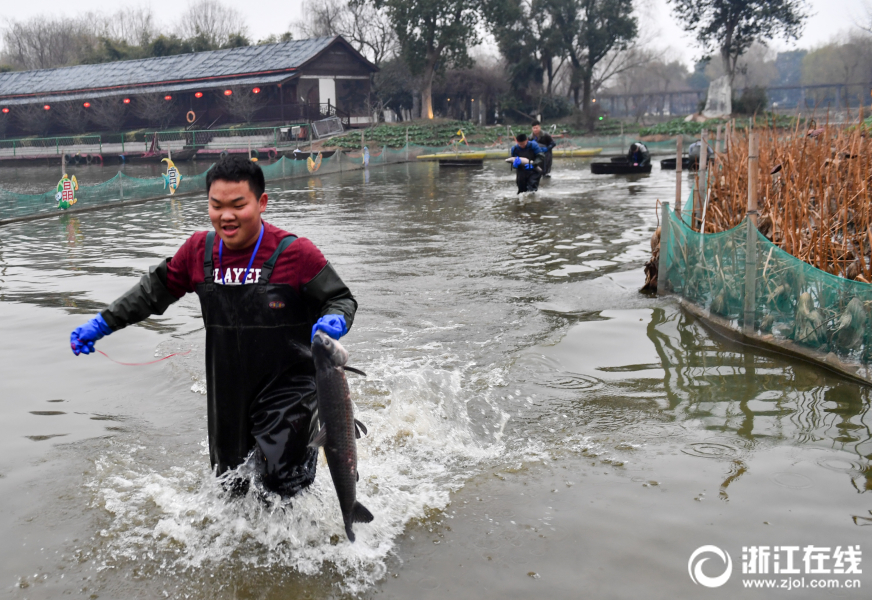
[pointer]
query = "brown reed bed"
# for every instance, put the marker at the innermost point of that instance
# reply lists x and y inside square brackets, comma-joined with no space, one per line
[813,194]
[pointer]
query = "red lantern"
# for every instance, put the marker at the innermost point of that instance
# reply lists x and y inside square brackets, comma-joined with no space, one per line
[168,98]
[47,107]
[228,92]
[127,101]
[5,110]
[198,95]
[87,105]
[255,90]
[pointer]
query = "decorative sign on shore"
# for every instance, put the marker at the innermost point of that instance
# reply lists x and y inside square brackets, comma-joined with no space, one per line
[66,192]
[172,178]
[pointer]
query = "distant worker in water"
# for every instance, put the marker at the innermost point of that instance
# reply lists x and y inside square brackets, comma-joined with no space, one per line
[528,158]
[263,293]
[547,143]
[638,155]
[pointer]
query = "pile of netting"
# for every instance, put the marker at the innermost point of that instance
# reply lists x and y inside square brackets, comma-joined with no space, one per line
[123,188]
[792,300]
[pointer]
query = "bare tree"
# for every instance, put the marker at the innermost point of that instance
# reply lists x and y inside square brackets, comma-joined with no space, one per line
[242,103]
[154,108]
[46,41]
[109,113]
[71,115]
[34,120]
[135,25]
[364,26]
[213,21]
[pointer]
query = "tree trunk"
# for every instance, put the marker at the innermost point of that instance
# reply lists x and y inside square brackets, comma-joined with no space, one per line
[586,109]
[427,89]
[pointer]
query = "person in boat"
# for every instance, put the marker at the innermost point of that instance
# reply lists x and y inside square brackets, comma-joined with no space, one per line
[638,156]
[263,293]
[694,150]
[528,160]
[547,143]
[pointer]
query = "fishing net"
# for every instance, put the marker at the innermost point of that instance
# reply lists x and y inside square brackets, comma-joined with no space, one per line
[124,188]
[793,301]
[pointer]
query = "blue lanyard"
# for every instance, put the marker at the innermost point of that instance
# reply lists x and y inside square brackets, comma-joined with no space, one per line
[250,262]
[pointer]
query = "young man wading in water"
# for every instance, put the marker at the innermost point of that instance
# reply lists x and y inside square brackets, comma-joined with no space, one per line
[263,292]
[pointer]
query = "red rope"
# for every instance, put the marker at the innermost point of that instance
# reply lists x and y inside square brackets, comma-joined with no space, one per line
[144,363]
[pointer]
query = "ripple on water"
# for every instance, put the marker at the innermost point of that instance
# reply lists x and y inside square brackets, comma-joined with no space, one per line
[794,481]
[654,430]
[571,381]
[841,465]
[711,450]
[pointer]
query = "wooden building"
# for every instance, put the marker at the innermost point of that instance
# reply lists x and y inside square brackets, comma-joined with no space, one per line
[289,82]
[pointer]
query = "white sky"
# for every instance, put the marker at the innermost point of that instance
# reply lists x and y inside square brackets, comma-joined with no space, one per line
[829,18]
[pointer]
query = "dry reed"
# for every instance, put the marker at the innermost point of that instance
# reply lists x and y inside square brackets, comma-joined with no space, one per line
[813,194]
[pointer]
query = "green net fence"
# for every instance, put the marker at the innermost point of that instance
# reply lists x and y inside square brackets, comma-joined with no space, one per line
[122,188]
[792,300]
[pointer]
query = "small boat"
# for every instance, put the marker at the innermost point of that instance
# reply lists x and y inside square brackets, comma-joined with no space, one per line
[668,164]
[618,165]
[461,162]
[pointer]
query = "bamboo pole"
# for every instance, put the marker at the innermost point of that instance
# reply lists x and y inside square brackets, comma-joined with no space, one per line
[750,304]
[678,168]
[702,179]
[664,245]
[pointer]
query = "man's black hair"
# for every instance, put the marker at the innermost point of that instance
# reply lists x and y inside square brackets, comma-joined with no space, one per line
[534,123]
[522,137]
[237,167]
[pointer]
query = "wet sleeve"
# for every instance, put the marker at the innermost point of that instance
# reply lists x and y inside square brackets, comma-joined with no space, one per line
[330,296]
[148,297]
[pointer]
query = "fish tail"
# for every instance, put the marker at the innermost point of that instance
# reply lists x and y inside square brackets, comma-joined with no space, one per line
[360,514]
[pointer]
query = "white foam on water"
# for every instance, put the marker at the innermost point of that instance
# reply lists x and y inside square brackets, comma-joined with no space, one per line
[422,445]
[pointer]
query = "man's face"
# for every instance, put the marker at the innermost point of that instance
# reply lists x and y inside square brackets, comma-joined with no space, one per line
[235,212]
[537,130]
[523,144]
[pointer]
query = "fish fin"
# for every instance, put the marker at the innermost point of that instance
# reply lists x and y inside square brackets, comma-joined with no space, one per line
[358,427]
[360,514]
[353,370]
[320,438]
[348,531]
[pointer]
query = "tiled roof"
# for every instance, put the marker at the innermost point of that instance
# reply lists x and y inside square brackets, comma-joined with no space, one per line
[268,60]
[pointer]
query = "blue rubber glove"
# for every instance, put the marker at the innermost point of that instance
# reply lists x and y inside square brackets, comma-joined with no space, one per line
[529,166]
[82,338]
[516,164]
[332,325]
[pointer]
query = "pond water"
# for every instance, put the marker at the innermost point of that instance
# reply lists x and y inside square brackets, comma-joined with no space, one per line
[538,428]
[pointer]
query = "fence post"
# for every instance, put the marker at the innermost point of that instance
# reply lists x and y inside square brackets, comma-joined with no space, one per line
[13,148]
[664,243]
[100,140]
[678,168]
[57,146]
[751,243]
[407,144]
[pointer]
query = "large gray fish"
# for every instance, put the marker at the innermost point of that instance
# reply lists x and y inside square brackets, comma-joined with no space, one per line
[339,429]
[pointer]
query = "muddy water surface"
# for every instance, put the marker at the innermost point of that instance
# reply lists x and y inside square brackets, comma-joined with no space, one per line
[537,427]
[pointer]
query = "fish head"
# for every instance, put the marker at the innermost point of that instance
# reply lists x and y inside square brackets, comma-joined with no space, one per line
[326,350]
